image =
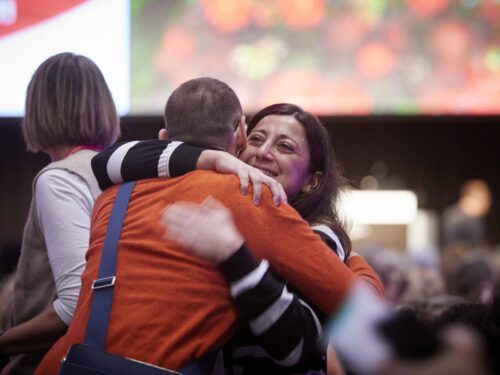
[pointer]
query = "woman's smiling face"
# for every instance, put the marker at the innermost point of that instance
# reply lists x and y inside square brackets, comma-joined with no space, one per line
[278,146]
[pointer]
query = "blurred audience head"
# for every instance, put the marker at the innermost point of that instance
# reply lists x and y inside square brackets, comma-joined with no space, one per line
[484,320]
[472,277]
[475,198]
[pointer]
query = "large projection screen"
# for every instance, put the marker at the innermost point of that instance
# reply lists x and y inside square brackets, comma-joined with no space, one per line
[334,57]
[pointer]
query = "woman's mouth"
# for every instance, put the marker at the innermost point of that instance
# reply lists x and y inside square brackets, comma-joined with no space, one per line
[267,172]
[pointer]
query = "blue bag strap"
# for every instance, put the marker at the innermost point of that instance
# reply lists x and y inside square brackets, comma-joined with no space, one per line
[102,297]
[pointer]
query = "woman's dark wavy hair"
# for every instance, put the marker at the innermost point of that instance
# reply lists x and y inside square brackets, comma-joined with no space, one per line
[318,206]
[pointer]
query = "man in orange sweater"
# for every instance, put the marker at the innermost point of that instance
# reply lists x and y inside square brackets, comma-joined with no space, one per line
[170,307]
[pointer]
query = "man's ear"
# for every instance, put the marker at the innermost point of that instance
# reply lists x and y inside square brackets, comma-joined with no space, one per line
[241,135]
[313,183]
[163,134]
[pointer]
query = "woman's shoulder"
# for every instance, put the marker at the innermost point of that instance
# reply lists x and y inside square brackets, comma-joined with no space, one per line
[57,177]
[61,183]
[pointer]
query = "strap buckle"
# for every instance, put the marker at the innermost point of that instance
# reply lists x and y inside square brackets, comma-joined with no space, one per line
[105,282]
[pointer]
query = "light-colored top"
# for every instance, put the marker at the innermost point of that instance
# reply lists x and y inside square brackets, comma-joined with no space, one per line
[35,285]
[64,205]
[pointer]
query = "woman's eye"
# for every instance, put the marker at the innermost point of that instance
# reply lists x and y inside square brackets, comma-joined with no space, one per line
[255,139]
[286,147]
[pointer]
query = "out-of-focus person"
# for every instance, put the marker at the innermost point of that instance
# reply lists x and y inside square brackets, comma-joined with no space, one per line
[463,223]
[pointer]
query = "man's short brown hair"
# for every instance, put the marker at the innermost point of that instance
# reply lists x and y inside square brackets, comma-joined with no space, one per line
[203,111]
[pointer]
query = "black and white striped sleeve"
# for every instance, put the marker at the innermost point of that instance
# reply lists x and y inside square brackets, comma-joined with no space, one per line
[331,239]
[286,327]
[137,160]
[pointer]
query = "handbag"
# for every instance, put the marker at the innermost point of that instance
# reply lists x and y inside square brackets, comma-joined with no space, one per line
[90,357]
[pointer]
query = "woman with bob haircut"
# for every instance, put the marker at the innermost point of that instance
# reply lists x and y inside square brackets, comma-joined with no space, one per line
[70,115]
[293,147]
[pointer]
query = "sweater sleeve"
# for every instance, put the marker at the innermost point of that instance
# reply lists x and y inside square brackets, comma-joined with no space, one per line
[356,263]
[360,267]
[295,253]
[286,327]
[137,160]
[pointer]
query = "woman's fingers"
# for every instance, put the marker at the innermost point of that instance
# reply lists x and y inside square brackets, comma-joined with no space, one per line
[213,204]
[258,178]
[244,180]
[179,215]
[206,229]
[279,195]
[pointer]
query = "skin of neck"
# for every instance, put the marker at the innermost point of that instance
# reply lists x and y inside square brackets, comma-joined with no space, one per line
[58,152]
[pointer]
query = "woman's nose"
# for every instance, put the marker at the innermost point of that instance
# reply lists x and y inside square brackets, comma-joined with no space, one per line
[265,151]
